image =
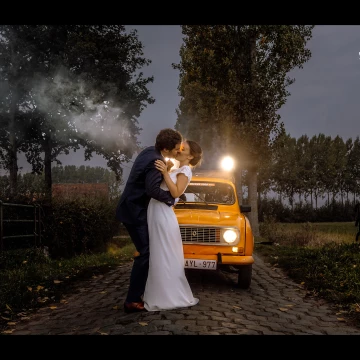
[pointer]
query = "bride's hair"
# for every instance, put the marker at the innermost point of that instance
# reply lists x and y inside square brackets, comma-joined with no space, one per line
[196,152]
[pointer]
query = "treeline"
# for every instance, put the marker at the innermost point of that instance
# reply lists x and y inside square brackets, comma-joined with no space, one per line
[272,210]
[312,169]
[32,187]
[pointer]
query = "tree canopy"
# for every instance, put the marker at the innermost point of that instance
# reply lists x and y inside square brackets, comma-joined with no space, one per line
[233,80]
[67,86]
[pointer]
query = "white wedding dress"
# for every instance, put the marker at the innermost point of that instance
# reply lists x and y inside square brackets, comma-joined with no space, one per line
[167,286]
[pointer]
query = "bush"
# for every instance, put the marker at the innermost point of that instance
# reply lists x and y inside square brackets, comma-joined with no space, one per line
[74,227]
[16,267]
[30,279]
[273,208]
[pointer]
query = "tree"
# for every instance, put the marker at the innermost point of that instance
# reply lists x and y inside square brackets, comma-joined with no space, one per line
[353,167]
[233,79]
[338,166]
[303,165]
[17,63]
[75,99]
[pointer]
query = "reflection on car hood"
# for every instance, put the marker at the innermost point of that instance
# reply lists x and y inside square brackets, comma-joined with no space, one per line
[206,217]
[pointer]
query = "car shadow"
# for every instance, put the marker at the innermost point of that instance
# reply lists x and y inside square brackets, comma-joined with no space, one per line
[209,279]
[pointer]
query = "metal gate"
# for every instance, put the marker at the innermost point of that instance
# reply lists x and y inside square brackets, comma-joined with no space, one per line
[36,220]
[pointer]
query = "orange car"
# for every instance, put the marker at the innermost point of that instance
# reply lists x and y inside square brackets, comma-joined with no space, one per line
[215,232]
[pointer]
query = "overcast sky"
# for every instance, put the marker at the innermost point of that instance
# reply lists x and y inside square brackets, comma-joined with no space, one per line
[324,98]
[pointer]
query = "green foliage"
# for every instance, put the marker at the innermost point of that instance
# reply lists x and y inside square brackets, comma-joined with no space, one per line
[233,81]
[335,212]
[234,77]
[19,258]
[320,257]
[31,187]
[88,174]
[59,92]
[312,169]
[332,271]
[29,279]
[15,268]
[74,227]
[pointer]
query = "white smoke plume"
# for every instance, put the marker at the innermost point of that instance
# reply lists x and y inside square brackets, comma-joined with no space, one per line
[68,101]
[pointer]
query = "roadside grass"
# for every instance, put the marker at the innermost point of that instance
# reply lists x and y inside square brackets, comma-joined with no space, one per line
[30,280]
[343,232]
[323,257]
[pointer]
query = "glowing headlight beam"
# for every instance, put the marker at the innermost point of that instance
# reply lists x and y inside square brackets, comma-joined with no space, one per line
[227,163]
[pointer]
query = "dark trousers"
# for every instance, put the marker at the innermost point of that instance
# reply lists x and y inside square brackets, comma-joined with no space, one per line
[140,237]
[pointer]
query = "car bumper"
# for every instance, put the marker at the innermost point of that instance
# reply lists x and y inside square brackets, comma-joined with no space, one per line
[222,259]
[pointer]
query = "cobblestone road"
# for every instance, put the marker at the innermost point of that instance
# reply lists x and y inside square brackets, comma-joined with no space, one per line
[274,304]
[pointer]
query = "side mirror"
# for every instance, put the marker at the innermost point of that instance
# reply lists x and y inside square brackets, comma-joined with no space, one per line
[245,208]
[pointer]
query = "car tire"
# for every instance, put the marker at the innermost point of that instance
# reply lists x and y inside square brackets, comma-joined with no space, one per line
[244,276]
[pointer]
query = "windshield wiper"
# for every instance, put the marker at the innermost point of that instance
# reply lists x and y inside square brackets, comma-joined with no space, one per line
[200,197]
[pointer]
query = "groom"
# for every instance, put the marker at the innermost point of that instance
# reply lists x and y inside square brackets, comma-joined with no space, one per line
[144,183]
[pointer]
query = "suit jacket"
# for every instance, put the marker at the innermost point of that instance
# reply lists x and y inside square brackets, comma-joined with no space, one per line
[143,183]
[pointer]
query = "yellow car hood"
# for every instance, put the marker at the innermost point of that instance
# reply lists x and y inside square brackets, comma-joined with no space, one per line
[206,217]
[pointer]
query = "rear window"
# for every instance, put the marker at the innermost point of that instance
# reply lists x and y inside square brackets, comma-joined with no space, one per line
[209,192]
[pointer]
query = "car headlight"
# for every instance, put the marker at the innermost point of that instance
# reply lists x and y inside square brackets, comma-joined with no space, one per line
[227,163]
[230,236]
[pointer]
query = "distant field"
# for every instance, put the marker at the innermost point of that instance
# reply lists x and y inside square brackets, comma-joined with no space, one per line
[311,234]
[334,231]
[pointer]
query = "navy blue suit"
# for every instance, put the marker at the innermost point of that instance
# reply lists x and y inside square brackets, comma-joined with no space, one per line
[143,183]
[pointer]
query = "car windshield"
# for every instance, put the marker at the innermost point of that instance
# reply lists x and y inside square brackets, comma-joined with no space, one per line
[209,192]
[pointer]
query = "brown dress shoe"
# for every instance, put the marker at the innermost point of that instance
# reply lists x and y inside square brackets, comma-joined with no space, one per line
[134,307]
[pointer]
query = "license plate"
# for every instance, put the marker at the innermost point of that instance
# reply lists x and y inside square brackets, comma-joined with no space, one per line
[200,264]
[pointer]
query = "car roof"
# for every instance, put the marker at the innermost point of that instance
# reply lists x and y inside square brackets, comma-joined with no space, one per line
[214,174]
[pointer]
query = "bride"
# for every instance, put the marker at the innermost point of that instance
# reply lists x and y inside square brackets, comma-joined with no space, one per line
[167,286]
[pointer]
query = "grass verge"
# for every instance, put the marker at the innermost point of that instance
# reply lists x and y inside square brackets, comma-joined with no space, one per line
[30,280]
[324,258]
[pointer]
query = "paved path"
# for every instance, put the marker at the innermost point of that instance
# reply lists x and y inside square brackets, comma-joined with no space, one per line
[274,304]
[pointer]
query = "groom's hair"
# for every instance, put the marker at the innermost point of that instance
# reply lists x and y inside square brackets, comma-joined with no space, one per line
[167,139]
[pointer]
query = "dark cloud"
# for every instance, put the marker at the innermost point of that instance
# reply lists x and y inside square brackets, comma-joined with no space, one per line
[324,98]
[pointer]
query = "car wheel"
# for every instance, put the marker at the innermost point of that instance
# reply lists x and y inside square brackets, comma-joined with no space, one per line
[244,276]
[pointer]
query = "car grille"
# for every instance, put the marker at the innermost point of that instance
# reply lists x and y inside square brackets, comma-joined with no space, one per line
[200,234]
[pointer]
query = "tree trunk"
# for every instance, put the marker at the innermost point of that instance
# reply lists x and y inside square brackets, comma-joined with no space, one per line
[259,202]
[13,147]
[253,215]
[47,166]
[238,182]
[252,170]
[13,167]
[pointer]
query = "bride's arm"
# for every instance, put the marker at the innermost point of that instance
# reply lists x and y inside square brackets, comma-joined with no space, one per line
[175,189]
